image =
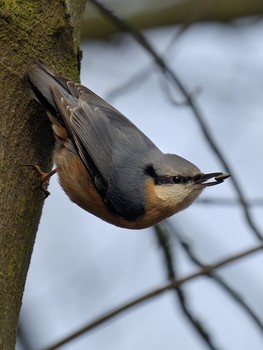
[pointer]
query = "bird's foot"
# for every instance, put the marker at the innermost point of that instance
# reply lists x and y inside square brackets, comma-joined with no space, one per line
[43,177]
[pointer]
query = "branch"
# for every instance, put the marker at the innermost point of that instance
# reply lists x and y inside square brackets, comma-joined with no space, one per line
[143,74]
[166,70]
[257,202]
[214,276]
[163,237]
[166,13]
[154,293]
[137,79]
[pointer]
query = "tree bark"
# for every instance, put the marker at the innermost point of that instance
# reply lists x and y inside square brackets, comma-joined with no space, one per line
[46,30]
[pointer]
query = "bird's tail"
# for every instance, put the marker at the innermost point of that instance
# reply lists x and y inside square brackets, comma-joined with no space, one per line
[41,80]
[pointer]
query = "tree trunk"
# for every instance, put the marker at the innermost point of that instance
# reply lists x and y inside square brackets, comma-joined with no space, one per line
[46,30]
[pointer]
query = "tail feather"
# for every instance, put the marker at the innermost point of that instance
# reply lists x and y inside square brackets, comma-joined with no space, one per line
[41,79]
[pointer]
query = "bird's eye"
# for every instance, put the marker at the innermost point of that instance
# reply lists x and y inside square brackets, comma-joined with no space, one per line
[177,179]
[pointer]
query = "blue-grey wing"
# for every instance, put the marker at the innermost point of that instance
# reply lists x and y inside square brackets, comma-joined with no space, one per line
[109,146]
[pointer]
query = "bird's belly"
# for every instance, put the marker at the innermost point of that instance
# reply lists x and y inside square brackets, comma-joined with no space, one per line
[76,181]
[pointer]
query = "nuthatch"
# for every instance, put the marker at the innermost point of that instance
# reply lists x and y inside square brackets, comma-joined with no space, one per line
[105,164]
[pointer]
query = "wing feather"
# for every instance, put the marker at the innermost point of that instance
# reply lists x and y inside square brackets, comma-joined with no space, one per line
[107,143]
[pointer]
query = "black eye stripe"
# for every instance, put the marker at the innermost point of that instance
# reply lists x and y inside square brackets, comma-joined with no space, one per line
[149,170]
[162,179]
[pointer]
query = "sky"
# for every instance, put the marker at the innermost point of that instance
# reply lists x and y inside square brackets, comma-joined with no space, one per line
[82,267]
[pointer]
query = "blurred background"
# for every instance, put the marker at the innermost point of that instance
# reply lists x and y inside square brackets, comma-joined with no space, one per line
[82,268]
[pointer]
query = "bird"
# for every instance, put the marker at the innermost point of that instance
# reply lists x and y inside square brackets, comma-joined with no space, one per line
[105,164]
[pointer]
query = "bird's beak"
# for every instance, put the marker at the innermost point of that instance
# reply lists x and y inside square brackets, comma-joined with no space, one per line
[201,179]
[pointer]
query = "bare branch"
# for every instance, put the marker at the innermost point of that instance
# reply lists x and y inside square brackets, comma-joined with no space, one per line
[138,78]
[258,202]
[176,13]
[163,237]
[213,275]
[206,270]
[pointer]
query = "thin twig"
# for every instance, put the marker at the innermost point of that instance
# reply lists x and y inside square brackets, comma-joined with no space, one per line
[142,75]
[130,84]
[213,275]
[163,236]
[228,201]
[137,34]
[154,293]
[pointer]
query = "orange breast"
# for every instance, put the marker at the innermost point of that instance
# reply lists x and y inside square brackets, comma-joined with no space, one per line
[76,182]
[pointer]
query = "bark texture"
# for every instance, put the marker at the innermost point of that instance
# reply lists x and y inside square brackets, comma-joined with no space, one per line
[46,30]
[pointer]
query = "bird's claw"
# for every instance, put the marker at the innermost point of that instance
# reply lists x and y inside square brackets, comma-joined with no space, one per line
[43,177]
